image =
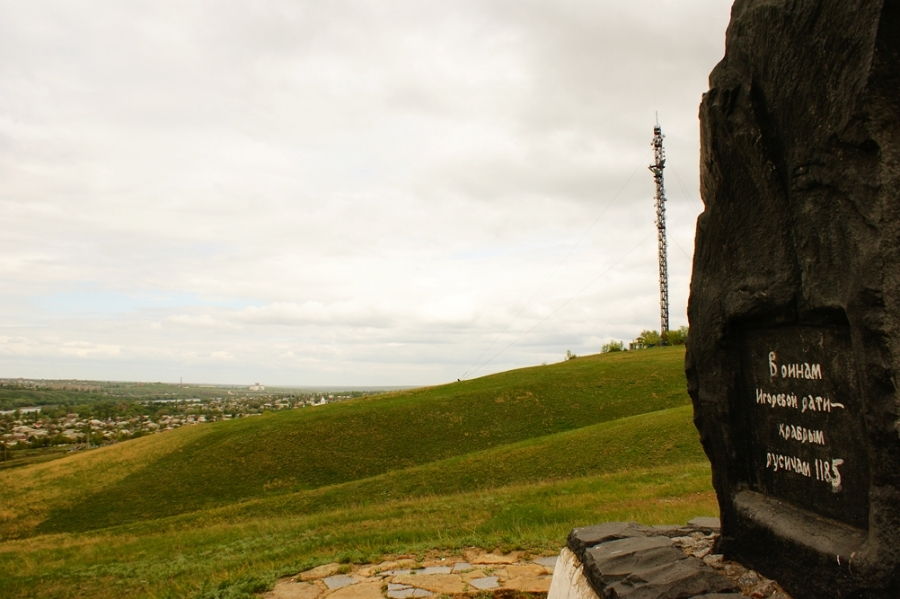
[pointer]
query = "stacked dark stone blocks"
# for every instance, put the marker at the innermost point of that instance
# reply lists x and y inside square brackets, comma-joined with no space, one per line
[625,560]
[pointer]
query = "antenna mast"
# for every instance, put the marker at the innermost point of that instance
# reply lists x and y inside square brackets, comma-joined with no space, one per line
[659,163]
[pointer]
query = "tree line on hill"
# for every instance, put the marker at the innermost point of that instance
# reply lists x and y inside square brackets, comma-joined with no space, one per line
[649,338]
[645,340]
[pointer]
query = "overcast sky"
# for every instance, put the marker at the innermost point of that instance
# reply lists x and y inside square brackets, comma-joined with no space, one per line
[340,193]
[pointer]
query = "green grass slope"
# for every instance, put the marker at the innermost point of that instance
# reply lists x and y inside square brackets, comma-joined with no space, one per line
[648,441]
[328,445]
[206,558]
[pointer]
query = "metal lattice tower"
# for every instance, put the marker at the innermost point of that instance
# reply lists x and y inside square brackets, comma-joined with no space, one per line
[659,163]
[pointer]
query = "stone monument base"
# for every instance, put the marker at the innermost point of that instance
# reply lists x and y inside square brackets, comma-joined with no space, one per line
[626,560]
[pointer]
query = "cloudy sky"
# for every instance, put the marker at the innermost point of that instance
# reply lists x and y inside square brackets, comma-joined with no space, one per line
[340,193]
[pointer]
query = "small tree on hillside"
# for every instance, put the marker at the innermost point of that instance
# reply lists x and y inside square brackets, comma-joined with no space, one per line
[678,337]
[612,346]
[649,338]
[570,355]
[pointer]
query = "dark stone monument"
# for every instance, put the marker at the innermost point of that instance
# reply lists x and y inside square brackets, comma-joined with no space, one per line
[793,358]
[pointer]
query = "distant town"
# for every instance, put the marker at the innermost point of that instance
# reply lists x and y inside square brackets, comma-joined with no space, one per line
[77,415]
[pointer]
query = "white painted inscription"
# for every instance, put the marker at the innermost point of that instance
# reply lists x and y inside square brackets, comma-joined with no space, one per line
[829,473]
[794,371]
[801,434]
[821,470]
[790,400]
[777,400]
[788,463]
[819,404]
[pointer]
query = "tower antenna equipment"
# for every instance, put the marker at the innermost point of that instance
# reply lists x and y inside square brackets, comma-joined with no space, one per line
[659,163]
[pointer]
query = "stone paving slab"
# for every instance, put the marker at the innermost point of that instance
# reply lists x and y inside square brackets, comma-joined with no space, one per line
[526,571]
[406,592]
[372,570]
[435,570]
[365,590]
[295,590]
[339,581]
[475,557]
[320,572]
[436,583]
[485,583]
[528,584]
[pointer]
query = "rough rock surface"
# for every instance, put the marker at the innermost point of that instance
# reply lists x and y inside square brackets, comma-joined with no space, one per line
[624,559]
[627,560]
[797,261]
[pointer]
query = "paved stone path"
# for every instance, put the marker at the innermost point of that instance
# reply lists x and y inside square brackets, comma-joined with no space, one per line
[402,577]
[477,572]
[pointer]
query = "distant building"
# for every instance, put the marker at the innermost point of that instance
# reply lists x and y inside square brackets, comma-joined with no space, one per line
[257,387]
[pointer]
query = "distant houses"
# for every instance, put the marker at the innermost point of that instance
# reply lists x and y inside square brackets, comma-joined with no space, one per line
[46,426]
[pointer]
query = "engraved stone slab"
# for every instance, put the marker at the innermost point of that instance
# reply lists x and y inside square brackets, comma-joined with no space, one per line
[804,417]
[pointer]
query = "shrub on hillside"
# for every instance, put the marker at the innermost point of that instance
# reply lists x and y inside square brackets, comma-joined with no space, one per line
[678,337]
[612,346]
[653,338]
[648,338]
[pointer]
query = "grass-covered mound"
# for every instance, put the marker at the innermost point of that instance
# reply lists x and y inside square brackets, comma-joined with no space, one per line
[509,459]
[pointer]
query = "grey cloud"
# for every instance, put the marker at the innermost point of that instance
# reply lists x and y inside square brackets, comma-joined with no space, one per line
[375,188]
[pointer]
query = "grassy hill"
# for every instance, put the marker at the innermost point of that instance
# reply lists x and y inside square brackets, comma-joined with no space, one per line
[482,462]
